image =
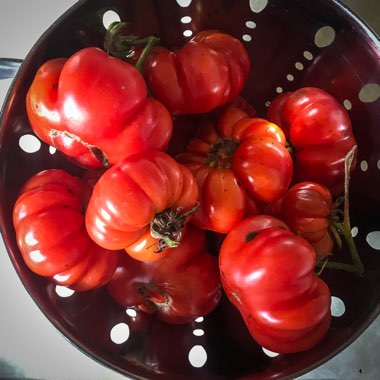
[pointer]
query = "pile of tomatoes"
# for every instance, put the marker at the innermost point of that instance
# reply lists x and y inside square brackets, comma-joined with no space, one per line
[187,192]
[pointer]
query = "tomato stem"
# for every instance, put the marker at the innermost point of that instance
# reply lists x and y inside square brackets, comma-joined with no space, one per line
[221,153]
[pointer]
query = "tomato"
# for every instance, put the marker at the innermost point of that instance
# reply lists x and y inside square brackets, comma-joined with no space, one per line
[237,161]
[319,131]
[207,72]
[51,234]
[307,208]
[178,288]
[267,272]
[141,204]
[95,109]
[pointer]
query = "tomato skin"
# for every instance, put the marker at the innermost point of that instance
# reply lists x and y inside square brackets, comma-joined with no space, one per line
[207,72]
[268,274]
[129,195]
[51,233]
[307,208]
[95,109]
[178,288]
[239,162]
[319,130]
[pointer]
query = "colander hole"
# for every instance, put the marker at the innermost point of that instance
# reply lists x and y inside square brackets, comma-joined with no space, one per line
[247,37]
[267,103]
[324,36]
[198,332]
[64,291]
[279,90]
[199,319]
[298,66]
[378,164]
[184,3]
[269,353]
[290,77]
[250,24]
[308,55]
[109,17]
[131,312]
[52,150]
[364,166]
[120,333]
[373,239]
[188,33]
[369,93]
[354,231]
[347,104]
[186,20]
[258,5]
[338,307]
[197,356]
[29,143]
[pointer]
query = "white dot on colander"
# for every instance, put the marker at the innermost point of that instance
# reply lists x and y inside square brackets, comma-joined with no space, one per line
[197,356]
[119,333]
[347,104]
[188,33]
[267,103]
[64,291]
[198,332]
[364,165]
[373,239]
[250,24]
[247,37]
[186,20]
[199,319]
[354,231]
[270,353]
[337,307]
[369,93]
[131,312]
[324,36]
[29,143]
[258,5]
[279,90]
[52,150]
[290,77]
[308,55]
[184,3]
[298,66]
[109,17]
[378,164]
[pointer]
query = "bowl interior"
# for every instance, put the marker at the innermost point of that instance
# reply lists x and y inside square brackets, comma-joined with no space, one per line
[291,44]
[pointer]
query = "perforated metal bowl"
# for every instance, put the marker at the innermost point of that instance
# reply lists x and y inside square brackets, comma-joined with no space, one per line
[291,43]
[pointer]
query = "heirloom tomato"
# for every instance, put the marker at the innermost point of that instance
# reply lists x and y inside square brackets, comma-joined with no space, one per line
[142,204]
[237,161]
[95,109]
[319,133]
[178,288]
[207,72]
[268,274]
[51,234]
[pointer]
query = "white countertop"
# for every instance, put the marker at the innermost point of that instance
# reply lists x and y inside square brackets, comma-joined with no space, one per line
[30,346]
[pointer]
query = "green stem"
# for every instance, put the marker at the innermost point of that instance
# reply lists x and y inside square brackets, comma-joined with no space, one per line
[343,266]
[151,41]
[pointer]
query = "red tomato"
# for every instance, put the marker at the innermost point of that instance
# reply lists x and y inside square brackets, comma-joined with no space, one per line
[268,274]
[141,205]
[238,158]
[307,209]
[51,234]
[207,72]
[319,132]
[179,288]
[95,109]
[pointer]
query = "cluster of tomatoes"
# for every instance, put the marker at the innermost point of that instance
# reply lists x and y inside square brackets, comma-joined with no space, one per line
[172,174]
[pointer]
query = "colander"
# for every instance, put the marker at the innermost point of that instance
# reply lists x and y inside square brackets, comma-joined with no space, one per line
[291,44]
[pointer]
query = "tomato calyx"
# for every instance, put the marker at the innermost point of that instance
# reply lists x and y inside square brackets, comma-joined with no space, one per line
[221,153]
[154,298]
[167,226]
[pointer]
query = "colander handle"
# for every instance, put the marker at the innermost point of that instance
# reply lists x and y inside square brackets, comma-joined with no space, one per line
[9,67]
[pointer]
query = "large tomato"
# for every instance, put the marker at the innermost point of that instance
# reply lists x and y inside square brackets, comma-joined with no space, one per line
[208,71]
[51,234]
[141,204]
[95,109]
[179,288]
[267,272]
[237,161]
[319,132]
